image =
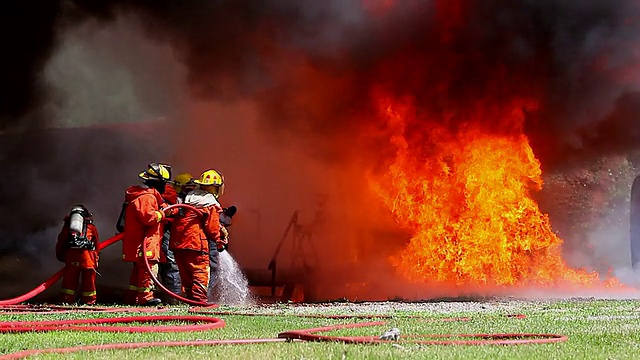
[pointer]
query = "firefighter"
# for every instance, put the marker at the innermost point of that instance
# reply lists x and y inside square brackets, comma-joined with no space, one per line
[77,247]
[212,182]
[143,218]
[168,269]
[193,232]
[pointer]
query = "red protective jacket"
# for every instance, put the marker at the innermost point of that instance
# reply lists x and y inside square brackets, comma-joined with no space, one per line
[192,230]
[83,258]
[143,216]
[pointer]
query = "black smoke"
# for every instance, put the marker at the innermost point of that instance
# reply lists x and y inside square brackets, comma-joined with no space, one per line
[28,37]
[576,59]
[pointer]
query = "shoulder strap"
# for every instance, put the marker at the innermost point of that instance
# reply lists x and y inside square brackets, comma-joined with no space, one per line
[120,222]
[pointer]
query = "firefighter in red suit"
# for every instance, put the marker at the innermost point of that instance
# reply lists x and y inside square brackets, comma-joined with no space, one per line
[77,247]
[143,218]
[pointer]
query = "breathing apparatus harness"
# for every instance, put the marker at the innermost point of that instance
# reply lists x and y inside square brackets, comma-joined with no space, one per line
[123,211]
[79,219]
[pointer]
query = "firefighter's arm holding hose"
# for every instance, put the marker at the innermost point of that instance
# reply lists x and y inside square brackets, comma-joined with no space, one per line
[214,230]
[223,241]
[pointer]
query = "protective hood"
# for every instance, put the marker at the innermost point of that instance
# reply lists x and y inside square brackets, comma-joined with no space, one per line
[200,198]
[170,195]
[138,190]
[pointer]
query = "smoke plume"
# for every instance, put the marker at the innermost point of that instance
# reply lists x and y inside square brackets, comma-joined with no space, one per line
[310,66]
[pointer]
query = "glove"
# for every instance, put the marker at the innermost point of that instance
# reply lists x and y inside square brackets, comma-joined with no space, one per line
[170,212]
[224,234]
[222,243]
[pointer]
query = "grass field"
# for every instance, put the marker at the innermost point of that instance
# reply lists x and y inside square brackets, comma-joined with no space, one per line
[597,329]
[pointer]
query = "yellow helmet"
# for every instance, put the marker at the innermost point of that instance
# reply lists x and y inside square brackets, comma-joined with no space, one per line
[211,181]
[157,171]
[183,179]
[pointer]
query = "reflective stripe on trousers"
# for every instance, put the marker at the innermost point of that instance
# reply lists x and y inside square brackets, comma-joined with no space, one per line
[67,291]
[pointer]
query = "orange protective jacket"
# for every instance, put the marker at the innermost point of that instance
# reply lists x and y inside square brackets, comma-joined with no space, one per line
[83,258]
[170,195]
[143,217]
[194,229]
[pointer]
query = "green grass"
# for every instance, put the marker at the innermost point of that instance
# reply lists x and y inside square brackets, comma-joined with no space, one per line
[597,329]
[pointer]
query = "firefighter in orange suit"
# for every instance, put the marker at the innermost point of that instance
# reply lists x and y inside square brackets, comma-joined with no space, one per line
[77,247]
[143,216]
[191,233]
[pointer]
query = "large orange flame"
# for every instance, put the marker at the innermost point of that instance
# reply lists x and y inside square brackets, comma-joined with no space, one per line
[464,193]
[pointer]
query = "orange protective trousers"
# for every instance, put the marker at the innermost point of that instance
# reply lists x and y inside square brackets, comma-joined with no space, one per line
[194,273]
[140,283]
[71,278]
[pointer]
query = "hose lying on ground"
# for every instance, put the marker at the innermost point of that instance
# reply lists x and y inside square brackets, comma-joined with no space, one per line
[480,339]
[208,323]
[484,339]
[65,309]
[140,345]
[102,324]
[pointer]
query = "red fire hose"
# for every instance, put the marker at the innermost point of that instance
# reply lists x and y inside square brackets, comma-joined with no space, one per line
[481,339]
[215,323]
[209,323]
[140,345]
[65,309]
[53,279]
[484,339]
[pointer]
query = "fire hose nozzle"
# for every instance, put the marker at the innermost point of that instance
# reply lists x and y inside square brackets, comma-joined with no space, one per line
[222,247]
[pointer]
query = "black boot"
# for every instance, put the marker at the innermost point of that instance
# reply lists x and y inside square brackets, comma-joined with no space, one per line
[152,302]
